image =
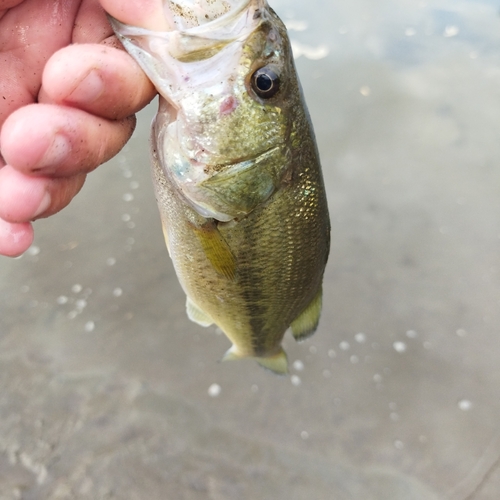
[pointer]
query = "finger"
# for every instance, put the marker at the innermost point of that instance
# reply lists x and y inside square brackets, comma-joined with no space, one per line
[147,14]
[30,33]
[44,139]
[24,198]
[15,238]
[91,23]
[101,80]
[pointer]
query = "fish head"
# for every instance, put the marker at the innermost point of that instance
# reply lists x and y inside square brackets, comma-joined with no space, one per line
[223,129]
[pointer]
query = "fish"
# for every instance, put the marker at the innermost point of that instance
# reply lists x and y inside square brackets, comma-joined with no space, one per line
[236,171]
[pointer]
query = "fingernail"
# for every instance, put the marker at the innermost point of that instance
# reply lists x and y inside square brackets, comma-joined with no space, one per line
[56,152]
[44,205]
[88,90]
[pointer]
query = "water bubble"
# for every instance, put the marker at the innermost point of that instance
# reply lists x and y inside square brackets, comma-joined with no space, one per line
[127,174]
[393,406]
[411,334]
[461,332]
[134,185]
[377,378]
[313,349]
[81,304]
[62,299]
[89,326]
[399,347]
[398,444]
[410,32]
[332,353]
[117,292]
[327,373]
[72,314]
[126,217]
[344,345]
[295,379]
[128,197]
[298,365]
[130,240]
[33,250]
[354,359]
[394,416]
[131,225]
[25,289]
[465,404]
[360,338]
[77,288]
[214,390]
[304,435]
[450,31]
[427,344]
[110,261]
[365,90]
[254,388]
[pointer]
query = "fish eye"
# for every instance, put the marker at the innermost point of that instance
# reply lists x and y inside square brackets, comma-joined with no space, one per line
[265,82]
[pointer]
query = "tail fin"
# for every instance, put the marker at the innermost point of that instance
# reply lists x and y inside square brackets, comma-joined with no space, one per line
[277,363]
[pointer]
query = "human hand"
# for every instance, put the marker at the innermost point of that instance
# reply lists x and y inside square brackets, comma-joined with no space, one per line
[65,109]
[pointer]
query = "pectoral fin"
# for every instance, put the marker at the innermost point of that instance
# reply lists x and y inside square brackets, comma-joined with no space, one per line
[307,321]
[217,250]
[196,314]
[165,235]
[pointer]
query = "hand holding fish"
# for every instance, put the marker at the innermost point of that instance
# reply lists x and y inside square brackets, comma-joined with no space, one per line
[62,107]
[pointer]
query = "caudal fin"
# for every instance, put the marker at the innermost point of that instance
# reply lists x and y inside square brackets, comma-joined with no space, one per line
[277,363]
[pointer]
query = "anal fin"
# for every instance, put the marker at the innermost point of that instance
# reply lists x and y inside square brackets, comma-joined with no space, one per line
[306,323]
[195,314]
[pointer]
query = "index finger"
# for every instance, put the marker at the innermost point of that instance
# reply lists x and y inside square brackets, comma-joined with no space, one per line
[96,78]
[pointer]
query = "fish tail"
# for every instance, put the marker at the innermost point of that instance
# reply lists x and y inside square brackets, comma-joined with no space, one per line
[277,363]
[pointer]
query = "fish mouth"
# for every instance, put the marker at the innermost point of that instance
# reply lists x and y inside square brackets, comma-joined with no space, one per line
[191,39]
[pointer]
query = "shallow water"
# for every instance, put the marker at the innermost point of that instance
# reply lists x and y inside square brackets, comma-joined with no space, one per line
[107,390]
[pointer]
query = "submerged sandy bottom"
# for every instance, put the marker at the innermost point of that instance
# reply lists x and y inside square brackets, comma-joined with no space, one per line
[108,391]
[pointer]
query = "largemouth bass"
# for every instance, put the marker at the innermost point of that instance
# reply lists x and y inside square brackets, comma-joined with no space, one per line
[236,172]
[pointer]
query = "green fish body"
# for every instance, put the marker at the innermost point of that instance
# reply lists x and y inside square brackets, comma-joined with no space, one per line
[236,172]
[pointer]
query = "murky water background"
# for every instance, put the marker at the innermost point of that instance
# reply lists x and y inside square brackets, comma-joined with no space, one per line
[107,391]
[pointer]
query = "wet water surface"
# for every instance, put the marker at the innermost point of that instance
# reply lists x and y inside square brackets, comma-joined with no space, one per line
[107,390]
